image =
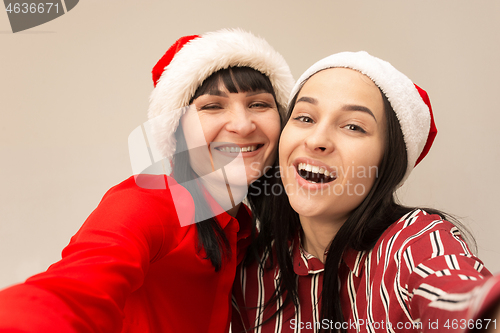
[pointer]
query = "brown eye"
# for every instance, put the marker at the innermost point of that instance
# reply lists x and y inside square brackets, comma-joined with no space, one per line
[304,119]
[260,105]
[356,128]
[211,107]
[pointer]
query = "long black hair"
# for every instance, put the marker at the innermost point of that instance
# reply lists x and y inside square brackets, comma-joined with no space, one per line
[211,237]
[361,230]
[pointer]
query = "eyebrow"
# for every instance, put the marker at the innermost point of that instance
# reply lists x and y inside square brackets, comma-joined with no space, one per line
[309,100]
[346,107]
[354,107]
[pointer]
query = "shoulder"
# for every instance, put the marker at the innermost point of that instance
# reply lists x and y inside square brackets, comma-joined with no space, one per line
[415,225]
[135,212]
[148,196]
[419,236]
[422,234]
[145,205]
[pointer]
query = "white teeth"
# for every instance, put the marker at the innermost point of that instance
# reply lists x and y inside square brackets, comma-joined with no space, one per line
[236,149]
[315,169]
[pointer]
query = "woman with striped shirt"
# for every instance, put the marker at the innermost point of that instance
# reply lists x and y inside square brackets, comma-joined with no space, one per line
[336,252]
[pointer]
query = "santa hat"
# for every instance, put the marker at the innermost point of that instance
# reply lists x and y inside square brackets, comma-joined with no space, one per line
[192,59]
[410,103]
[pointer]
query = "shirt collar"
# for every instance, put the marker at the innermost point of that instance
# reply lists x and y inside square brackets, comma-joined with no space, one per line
[355,260]
[242,223]
[305,263]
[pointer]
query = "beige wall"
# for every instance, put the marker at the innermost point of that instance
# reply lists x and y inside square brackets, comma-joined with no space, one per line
[73,89]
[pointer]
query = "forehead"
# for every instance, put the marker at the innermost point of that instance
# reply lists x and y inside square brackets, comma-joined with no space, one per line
[342,84]
[234,80]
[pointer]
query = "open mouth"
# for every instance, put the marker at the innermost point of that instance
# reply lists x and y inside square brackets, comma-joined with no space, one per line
[236,149]
[315,174]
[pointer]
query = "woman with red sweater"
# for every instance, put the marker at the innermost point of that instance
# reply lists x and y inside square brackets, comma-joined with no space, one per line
[159,253]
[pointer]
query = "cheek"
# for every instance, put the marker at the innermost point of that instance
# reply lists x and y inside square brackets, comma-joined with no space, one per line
[283,147]
[376,155]
[209,126]
[270,125]
[286,146]
[192,130]
[367,168]
[286,140]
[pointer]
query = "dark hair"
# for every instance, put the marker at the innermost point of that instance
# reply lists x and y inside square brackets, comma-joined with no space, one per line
[211,237]
[360,231]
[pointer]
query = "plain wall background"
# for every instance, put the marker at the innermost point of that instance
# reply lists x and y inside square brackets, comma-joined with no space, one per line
[73,89]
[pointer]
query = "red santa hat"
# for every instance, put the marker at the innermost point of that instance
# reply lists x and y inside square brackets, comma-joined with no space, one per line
[410,103]
[192,59]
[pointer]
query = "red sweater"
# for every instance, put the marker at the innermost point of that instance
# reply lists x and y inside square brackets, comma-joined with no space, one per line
[131,268]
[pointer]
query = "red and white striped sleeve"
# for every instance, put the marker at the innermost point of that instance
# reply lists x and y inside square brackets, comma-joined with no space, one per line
[446,284]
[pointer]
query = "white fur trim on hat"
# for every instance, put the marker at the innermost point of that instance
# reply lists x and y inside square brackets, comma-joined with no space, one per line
[412,112]
[196,61]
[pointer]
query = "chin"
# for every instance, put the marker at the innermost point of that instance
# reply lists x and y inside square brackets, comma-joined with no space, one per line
[252,178]
[305,207]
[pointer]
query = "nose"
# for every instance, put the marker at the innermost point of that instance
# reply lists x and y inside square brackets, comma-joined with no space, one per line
[240,121]
[320,140]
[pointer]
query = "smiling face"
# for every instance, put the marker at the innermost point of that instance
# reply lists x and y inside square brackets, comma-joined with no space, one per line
[331,147]
[235,125]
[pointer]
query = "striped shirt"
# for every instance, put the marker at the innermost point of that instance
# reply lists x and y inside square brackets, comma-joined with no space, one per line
[419,277]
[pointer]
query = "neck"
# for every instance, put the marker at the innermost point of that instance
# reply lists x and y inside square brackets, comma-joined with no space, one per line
[233,211]
[219,191]
[318,234]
